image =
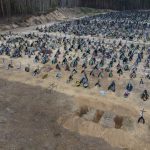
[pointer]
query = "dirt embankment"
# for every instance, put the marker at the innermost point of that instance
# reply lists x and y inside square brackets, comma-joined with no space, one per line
[56,15]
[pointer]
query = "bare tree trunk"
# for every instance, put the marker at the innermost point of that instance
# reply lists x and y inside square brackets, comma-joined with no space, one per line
[2,8]
[13,7]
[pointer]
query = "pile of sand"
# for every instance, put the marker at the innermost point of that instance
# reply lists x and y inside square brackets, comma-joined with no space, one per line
[133,137]
[56,15]
[60,14]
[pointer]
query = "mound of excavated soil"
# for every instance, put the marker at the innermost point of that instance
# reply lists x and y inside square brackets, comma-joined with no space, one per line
[56,15]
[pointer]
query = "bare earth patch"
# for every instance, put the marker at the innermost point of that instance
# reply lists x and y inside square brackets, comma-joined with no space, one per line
[28,120]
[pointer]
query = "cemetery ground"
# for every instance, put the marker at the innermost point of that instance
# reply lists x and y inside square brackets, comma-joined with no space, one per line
[48,114]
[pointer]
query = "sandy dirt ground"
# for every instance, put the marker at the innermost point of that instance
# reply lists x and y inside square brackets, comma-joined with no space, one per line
[28,120]
[39,114]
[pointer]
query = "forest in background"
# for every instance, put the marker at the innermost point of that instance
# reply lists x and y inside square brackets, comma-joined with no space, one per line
[117,4]
[25,7]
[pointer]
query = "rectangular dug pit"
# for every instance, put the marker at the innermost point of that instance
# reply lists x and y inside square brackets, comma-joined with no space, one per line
[118,122]
[98,116]
[82,111]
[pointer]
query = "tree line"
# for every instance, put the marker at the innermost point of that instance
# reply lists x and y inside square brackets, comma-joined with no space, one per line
[117,4]
[23,7]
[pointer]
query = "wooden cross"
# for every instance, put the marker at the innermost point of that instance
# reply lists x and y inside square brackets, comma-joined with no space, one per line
[142,111]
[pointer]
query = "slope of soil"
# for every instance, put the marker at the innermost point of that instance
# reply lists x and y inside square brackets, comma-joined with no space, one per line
[56,15]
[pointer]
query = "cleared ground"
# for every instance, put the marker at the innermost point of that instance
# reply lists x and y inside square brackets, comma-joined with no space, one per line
[28,120]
